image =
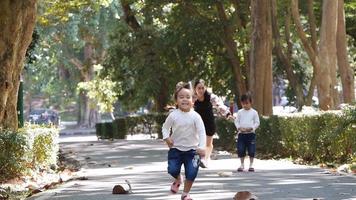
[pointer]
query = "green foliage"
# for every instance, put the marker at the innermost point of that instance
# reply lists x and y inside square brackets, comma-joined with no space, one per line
[120,127]
[29,149]
[226,134]
[174,44]
[44,145]
[14,156]
[101,91]
[313,138]
[62,31]
[57,11]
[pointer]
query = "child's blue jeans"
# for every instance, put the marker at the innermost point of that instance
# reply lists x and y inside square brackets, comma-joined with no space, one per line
[175,160]
[246,141]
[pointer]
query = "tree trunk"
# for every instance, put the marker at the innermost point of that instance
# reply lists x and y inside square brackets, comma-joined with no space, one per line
[86,69]
[231,48]
[261,56]
[291,76]
[162,98]
[326,80]
[346,73]
[308,47]
[17,21]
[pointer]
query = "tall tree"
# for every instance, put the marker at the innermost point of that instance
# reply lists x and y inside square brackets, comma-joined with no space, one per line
[346,73]
[17,21]
[284,56]
[326,79]
[77,31]
[261,56]
[310,47]
[231,45]
[151,59]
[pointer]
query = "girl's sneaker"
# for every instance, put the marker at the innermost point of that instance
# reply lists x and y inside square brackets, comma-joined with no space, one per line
[186,197]
[175,185]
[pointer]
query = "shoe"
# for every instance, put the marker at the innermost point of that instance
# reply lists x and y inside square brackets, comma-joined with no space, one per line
[175,185]
[186,197]
[240,169]
[203,163]
[251,169]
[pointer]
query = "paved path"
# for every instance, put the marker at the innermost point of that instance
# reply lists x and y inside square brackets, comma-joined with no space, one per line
[143,163]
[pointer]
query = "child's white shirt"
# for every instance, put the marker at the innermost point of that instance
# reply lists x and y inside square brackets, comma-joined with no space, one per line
[188,131]
[247,119]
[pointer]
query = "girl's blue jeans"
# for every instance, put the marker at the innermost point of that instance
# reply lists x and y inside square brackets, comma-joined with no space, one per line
[175,160]
[246,141]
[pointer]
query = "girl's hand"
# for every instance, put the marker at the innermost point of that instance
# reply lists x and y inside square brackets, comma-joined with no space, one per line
[169,142]
[201,152]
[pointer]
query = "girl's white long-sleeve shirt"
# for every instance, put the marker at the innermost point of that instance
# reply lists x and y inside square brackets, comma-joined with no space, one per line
[247,119]
[188,131]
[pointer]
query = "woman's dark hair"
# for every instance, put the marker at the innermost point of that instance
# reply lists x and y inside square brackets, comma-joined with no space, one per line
[198,81]
[179,87]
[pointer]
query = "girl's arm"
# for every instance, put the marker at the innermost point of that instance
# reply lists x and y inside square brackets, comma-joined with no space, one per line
[201,131]
[167,126]
[237,121]
[256,121]
[219,104]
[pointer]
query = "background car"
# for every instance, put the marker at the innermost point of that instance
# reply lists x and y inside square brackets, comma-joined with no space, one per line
[44,116]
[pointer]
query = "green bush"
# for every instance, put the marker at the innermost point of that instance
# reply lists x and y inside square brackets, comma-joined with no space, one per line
[120,127]
[105,130]
[314,138]
[44,145]
[14,154]
[27,149]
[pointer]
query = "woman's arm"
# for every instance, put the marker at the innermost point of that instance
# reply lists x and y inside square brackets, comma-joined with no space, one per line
[219,104]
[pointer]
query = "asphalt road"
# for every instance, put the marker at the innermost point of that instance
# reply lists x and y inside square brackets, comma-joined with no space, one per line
[143,163]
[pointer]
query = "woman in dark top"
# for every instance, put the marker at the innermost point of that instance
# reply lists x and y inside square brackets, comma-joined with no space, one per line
[204,104]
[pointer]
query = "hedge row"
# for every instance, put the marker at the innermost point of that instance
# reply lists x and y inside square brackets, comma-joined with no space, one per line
[322,137]
[318,138]
[28,149]
[120,127]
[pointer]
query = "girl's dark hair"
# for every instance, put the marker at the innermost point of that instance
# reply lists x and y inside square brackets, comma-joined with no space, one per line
[246,97]
[179,87]
[198,81]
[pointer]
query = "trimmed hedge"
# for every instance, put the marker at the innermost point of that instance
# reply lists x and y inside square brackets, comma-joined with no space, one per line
[318,138]
[313,138]
[120,127]
[28,149]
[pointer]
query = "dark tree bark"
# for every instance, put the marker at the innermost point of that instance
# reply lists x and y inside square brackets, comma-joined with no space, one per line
[291,76]
[326,79]
[261,56]
[346,74]
[231,48]
[17,21]
[162,97]
[310,48]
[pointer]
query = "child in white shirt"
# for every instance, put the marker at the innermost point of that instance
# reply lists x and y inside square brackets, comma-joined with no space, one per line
[246,122]
[187,141]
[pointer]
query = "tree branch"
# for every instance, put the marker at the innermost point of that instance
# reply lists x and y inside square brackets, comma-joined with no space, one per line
[76,62]
[311,19]
[296,17]
[129,16]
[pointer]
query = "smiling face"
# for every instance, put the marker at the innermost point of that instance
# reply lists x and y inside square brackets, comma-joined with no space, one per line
[184,99]
[200,90]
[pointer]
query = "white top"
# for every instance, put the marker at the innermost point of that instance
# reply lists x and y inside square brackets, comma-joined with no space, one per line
[247,119]
[188,131]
